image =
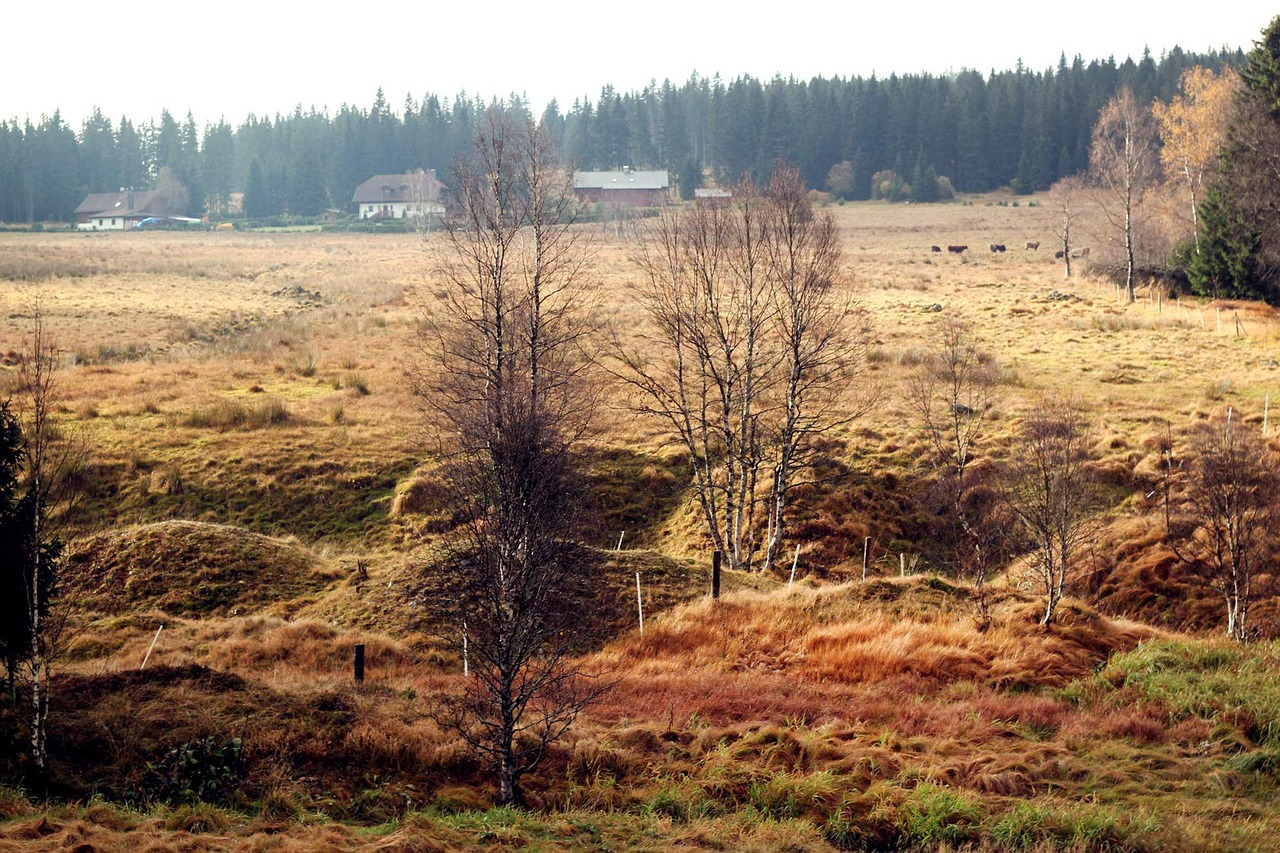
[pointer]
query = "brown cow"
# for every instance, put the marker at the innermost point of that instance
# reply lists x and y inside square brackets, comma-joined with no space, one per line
[995,247]
[955,250]
[1033,246]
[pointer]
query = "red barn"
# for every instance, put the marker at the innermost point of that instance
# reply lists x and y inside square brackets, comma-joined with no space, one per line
[623,189]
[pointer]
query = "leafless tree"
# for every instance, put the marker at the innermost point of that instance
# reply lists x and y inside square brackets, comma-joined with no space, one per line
[951,392]
[1051,492]
[502,377]
[702,365]
[1228,516]
[1067,195]
[748,351]
[823,336]
[50,459]
[1123,159]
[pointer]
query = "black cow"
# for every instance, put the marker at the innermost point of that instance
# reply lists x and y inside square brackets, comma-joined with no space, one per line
[955,250]
[935,248]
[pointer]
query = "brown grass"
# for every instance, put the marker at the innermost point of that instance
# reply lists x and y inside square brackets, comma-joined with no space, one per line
[241,533]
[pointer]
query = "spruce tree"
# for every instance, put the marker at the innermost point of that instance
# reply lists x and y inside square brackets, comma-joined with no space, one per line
[1239,231]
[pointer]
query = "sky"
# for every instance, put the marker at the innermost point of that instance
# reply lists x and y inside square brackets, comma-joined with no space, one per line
[230,58]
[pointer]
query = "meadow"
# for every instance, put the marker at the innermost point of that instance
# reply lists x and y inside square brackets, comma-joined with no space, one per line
[259,484]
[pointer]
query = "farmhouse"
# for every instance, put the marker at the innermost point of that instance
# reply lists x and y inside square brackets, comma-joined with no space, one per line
[399,196]
[118,211]
[624,189]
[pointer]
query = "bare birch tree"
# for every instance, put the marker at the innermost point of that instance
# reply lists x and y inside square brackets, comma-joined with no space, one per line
[823,336]
[747,353]
[951,392]
[49,458]
[706,293]
[1228,516]
[1067,195]
[1051,493]
[502,378]
[1122,158]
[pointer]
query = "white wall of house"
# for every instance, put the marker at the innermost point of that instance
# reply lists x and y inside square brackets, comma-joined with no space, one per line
[400,209]
[102,223]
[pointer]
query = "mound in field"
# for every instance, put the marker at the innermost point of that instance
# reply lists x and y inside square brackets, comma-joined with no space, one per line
[189,568]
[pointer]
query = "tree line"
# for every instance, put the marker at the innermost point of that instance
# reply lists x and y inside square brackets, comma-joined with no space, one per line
[1019,128]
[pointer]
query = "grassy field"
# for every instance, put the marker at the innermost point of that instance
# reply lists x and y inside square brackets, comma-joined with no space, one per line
[254,441]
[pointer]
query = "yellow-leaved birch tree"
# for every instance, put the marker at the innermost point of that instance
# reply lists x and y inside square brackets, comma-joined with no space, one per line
[1193,128]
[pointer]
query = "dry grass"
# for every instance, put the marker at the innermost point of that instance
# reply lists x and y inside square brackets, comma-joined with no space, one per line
[252,430]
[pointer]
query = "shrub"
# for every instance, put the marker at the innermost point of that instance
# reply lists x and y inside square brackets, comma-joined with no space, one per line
[206,770]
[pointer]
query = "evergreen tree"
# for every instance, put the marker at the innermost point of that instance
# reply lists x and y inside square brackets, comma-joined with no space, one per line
[1239,223]
[1230,262]
[924,180]
[256,199]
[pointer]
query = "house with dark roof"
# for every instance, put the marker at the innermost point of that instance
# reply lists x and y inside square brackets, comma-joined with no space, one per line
[627,188]
[118,211]
[399,196]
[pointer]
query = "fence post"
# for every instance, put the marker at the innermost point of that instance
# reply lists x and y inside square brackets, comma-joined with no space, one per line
[716,556]
[640,605]
[157,637]
[359,663]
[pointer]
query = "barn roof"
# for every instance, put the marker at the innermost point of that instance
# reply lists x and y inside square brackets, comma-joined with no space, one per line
[652,180]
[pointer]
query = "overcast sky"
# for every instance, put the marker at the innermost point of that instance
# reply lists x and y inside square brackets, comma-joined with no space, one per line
[231,57]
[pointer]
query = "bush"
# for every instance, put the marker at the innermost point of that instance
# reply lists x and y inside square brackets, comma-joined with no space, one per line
[199,771]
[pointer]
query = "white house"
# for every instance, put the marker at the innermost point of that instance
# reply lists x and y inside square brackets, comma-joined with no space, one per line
[117,211]
[399,196]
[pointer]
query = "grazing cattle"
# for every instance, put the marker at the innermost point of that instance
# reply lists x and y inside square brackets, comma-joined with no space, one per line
[935,248]
[1080,253]
[955,250]
[1058,255]
[1033,246]
[995,247]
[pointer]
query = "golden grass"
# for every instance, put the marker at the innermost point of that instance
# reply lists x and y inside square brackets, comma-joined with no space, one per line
[762,721]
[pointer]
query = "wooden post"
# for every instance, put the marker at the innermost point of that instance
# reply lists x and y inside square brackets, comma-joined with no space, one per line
[359,663]
[716,557]
[902,564]
[1160,302]
[866,547]
[1240,333]
[794,560]
[1217,312]
[153,645]
[639,605]
[620,535]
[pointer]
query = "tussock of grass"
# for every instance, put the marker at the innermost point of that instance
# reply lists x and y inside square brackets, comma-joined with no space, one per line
[837,635]
[189,568]
[1220,681]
